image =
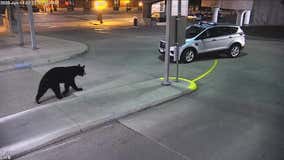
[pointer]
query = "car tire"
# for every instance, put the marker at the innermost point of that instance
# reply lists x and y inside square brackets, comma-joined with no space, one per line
[188,55]
[234,51]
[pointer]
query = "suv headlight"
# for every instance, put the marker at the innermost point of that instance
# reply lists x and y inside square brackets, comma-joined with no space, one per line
[172,50]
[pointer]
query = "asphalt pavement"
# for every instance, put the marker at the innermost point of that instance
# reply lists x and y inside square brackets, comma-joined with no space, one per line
[236,113]
[112,141]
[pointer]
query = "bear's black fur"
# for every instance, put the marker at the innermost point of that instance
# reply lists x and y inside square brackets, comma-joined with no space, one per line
[58,75]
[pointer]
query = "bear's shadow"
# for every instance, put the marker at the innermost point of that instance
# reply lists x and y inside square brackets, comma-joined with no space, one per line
[50,97]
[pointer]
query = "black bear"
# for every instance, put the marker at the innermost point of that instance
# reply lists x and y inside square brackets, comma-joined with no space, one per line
[57,75]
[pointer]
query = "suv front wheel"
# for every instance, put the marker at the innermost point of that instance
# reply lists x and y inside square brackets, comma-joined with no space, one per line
[234,51]
[188,55]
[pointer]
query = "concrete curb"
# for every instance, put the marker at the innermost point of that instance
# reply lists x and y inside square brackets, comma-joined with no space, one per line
[27,146]
[32,60]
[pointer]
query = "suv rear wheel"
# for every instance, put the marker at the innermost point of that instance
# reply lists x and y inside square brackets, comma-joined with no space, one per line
[188,55]
[234,50]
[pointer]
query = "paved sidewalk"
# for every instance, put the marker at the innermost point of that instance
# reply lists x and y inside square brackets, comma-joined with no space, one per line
[50,50]
[33,129]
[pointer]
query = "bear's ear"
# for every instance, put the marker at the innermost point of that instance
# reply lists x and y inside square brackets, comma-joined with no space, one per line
[79,65]
[83,66]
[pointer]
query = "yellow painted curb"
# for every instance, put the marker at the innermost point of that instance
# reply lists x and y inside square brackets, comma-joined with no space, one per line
[192,85]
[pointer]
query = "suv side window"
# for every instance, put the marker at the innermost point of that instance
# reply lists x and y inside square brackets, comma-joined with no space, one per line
[209,33]
[224,31]
[232,30]
[204,35]
[192,31]
[221,31]
[228,30]
[217,32]
[214,32]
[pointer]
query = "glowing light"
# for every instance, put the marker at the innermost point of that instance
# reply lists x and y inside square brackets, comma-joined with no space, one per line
[126,2]
[100,5]
[140,4]
[3,29]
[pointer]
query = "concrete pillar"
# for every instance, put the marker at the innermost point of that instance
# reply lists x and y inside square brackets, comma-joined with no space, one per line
[6,22]
[240,17]
[215,14]
[11,19]
[247,17]
[86,5]
[147,10]
[19,24]
[1,20]
[32,26]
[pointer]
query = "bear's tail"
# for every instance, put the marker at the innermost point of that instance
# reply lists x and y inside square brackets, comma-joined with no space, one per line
[41,90]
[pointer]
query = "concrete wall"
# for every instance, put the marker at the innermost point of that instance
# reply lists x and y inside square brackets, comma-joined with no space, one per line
[229,4]
[147,7]
[268,12]
[210,3]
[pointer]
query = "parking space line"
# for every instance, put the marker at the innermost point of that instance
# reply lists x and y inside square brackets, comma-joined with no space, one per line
[207,72]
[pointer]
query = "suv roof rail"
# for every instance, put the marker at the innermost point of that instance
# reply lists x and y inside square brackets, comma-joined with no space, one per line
[207,23]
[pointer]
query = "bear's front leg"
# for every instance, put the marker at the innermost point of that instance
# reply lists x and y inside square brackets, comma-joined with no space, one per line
[74,86]
[66,85]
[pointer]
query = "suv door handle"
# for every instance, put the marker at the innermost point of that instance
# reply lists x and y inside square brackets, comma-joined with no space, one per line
[213,39]
[230,37]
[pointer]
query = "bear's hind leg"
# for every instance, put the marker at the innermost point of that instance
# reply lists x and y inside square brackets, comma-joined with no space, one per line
[56,90]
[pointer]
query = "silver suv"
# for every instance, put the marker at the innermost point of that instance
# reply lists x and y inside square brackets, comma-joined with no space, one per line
[203,38]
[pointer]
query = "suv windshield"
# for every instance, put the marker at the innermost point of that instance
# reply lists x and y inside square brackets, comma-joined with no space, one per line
[193,31]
